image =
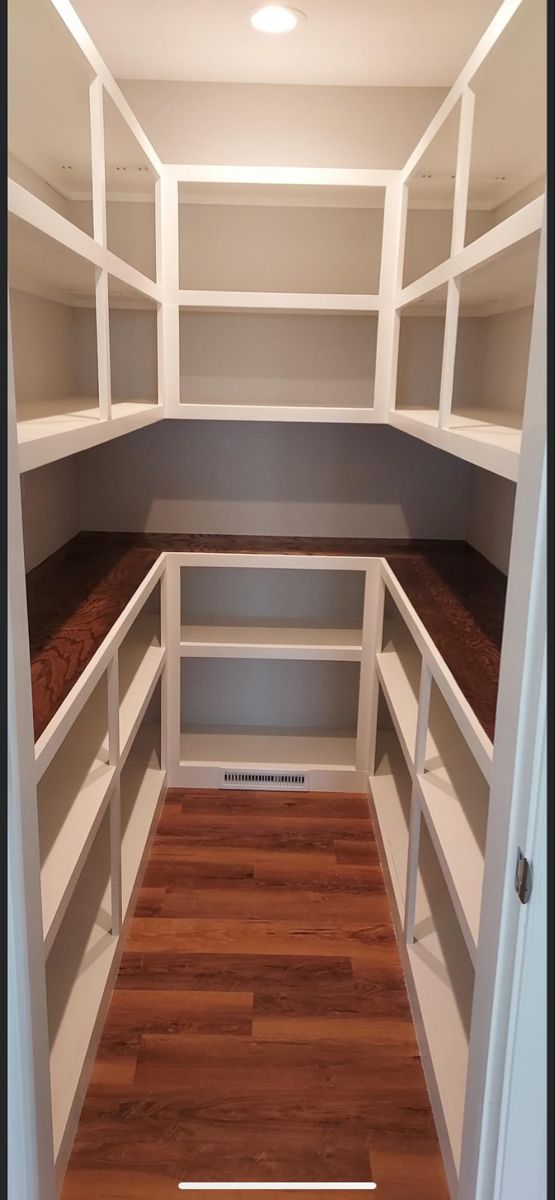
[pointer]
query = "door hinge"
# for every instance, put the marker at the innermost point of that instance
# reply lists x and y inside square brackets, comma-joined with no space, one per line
[523,877]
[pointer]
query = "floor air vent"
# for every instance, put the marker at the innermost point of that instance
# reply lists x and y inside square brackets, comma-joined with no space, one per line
[281,781]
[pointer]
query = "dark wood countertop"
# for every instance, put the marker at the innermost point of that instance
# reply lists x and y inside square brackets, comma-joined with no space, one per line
[76,595]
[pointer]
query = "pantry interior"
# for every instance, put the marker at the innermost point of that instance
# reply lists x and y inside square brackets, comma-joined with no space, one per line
[272,410]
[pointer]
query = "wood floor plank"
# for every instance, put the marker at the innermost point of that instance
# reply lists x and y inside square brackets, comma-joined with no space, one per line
[262,904]
[229,972]
[259,1028]
[293,804]
[254,937]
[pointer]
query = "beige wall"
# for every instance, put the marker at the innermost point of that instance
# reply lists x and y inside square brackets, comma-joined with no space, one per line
[41,336]
[490,516]
[50,507]
[242,248]
[272,125]
[277,358]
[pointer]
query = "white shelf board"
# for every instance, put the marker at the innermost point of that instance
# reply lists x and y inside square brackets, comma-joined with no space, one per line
[276,302]
[443,979]
[501,427]
[391,792]
[267,641]
[276,412]
[399,665]
[67,827]
[140,659]
[130,408]
[78,971]
[455,798]
[142,782]
[493,446]
[424,416]
[45,438]
[45,418]
[254,746]
[445,1032]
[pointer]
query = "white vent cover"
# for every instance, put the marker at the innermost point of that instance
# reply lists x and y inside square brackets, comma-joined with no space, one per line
[278,781]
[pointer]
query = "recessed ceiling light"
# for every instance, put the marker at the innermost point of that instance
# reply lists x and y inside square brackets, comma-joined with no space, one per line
[275,18]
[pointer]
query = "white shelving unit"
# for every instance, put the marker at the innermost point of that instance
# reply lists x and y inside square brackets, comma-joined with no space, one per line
[430,797]
[442,980]
[316,267]
[227,613]
[101,774]
[68,235]
[271,666]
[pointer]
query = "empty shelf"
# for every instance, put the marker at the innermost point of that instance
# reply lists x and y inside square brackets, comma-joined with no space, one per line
[391,792]
[142,781]
[140,662]
[48,417]
[78,971]
[263,641]
[269,747]
[494,426]
[67,827]
[399,665]
[455,798]
[444,982]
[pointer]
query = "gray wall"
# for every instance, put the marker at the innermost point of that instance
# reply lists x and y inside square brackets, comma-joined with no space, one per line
[268,478]
[243,477]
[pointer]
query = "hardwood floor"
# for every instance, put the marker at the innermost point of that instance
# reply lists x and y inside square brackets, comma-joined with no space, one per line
[260,1028]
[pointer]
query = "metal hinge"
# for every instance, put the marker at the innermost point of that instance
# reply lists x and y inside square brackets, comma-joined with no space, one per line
[523,877]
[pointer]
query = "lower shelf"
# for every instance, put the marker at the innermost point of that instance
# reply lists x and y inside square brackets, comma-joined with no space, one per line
[391,792]
[142,781]
[77,974]
[443,978]
[226,744]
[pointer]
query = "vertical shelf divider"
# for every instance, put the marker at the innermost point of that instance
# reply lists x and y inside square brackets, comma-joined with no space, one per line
[449,351]
[393,238]
[98,169]
[372,621]
[115,806]
[171,602]
[167,270]
[462,174]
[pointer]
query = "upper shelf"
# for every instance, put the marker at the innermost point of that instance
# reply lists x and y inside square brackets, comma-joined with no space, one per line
[62,405]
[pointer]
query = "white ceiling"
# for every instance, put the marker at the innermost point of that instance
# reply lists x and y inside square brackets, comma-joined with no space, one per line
[367,43]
